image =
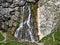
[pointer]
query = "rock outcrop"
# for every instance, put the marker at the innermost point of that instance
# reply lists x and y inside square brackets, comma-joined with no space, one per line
[48,11]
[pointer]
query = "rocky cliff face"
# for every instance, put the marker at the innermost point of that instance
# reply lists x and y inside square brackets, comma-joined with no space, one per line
[9,17]
[20,18]
[49,11]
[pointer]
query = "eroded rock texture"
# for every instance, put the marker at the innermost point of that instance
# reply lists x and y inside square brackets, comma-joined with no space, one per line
[16,16]
[19,17]
[49,11]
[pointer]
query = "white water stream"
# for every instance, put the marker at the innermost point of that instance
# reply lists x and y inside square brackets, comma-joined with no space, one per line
[18,33]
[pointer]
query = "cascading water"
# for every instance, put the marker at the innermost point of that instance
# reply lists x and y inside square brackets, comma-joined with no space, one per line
[28,23]
[20,25]
[27,29]
[27,34]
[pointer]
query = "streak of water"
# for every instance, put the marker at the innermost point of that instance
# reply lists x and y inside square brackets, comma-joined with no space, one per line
[28,23]
[19,33]
[21,24]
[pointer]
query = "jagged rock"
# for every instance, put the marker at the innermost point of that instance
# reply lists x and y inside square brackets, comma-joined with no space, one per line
[12,12]
[21,2]
[15,24]
[5,5]
[9,1]
[14,17]
[1,1]
[11,9]
[10,23]
[32,1]
[12,6]
[11,16]
[4,11]
[48,16]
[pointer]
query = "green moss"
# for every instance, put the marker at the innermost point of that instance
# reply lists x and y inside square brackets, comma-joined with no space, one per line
[12,41]
[48,40]
[9,42]
[1,37]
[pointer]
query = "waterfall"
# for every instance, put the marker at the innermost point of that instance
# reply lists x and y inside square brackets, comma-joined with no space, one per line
[20,25]
[19,31]
[28,23]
